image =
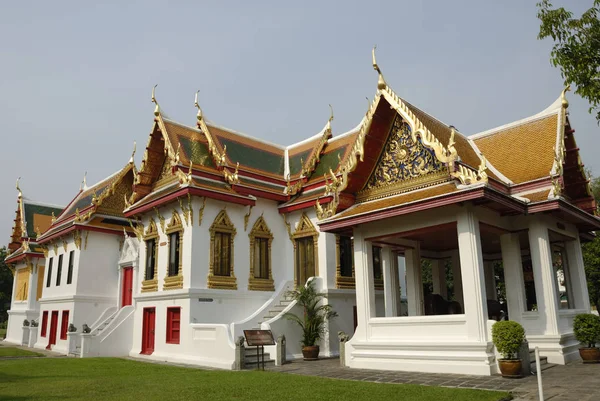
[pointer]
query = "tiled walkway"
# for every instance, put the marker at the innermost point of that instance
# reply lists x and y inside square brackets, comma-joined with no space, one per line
[561,383]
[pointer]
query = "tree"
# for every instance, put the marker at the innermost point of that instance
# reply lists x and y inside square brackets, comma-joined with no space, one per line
[577,48]
[6,284]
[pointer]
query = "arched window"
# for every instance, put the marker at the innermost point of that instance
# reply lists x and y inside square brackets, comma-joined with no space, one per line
[174,231]
[261,274]
[220,274]
[150,282]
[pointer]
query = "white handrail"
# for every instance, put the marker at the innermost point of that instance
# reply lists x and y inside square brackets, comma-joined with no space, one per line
[108,312]
[539,374]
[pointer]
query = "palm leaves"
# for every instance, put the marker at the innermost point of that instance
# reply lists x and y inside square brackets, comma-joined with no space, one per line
[316,313]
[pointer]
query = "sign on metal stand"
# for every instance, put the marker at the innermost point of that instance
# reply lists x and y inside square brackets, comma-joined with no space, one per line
[258,339]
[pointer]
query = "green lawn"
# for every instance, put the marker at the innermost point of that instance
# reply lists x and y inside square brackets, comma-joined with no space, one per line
[120,379]
[11,351]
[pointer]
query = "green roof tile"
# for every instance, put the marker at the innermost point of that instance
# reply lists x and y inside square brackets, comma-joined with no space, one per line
[254,158]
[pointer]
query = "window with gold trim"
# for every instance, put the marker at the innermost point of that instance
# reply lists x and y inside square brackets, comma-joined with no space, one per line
[150,282]
[174,231]
[344,245]
[220,270]
[261,275]
[305,239]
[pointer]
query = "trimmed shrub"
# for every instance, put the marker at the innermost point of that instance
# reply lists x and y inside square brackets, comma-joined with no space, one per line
[586,327]
[508,337]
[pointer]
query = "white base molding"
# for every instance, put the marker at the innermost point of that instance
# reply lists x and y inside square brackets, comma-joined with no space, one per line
[559,349]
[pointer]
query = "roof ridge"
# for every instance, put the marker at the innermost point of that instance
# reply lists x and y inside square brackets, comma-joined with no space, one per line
[195,129]
[36,203]
[232,131]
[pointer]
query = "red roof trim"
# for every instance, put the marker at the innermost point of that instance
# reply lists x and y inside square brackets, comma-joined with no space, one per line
[22,256]
[305,204]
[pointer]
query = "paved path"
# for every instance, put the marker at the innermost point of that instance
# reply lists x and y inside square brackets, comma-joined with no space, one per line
[561,383]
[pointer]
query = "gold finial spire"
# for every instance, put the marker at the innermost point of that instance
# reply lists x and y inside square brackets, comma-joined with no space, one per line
[563,96]
[380,82]
[133,153]
[157,108]
[18,188]
[53,217]
[197,105]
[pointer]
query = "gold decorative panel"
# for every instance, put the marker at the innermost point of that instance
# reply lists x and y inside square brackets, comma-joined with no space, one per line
[260,230]
[222,224]
[404,164]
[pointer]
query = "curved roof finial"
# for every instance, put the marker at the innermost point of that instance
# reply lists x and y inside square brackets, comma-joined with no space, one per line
[18,188]
[83,185]
[133,153]
[330,118]
[380,82]
[199,115]
[157,108]
[563,96]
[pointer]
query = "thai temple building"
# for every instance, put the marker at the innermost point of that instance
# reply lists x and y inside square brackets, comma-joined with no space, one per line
[172,261]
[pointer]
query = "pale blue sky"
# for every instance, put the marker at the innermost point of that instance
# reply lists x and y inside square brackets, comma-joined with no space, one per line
[76,76]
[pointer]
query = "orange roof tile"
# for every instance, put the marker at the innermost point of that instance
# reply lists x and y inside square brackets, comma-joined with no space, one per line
[524,152]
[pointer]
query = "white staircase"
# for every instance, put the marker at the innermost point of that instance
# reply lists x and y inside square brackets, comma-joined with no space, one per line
[276,310]
[544,365]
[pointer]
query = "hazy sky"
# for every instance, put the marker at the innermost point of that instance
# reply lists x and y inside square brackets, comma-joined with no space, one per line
[76,76]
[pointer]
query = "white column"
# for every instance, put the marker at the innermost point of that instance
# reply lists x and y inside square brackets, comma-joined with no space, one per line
[579,287]
[457,278]
[513,275]
[401,260]
[473,277]
[414,282]
[365,293]
[546,290]
[389,284]
[32,286]
[438,276]
[490,280]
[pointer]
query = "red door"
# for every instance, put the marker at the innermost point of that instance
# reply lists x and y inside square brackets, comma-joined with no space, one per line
[53,329]
[127,284]
[148,331]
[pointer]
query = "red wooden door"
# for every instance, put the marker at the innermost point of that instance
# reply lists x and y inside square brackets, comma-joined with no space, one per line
[148,331]
[127,285]
[53,329]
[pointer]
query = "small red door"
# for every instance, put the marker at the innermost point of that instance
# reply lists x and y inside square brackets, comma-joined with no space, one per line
[148,331]
[127,285]
[53,329]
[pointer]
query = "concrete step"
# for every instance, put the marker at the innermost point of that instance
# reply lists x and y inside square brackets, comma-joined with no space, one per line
[254,365]
[543,359]
[253,357]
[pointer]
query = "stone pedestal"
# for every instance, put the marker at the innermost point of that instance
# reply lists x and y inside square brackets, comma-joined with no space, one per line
[25,338]
[280,353]
[240,354]
[72,341]
[33,335]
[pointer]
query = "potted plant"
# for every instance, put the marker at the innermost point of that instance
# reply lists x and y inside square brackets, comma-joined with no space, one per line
[315,315]
[586,327]
[508,336]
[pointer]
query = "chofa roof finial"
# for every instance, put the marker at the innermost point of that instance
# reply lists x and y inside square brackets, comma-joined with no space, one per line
[380,82]
[563,96]
[18,188]
[330,118]
[133,153]
[199,115]
[83,185]
[157,108]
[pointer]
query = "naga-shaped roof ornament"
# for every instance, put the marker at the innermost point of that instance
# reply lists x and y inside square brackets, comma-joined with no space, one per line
[330,119]
[18,188]
[380,82]
[83,185]
[133,153]
[157,108]
[563,96]
[197,105]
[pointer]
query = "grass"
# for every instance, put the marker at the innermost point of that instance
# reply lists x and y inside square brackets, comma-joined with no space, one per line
[121,379]
[12,352]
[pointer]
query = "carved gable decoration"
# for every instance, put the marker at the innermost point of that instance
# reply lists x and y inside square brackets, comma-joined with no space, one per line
[151,231]
[223,223]
[129,253]
[260,229]
[404,164]
[174,223]
[305,228]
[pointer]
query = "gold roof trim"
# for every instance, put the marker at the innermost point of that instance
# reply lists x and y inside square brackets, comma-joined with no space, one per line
[218,156]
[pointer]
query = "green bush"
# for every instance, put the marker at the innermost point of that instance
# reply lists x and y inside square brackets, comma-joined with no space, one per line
[586,327]
[508,337]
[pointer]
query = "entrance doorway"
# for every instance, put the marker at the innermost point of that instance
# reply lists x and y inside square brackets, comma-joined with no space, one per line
[127,286]
[148,325]
[53,329]
[305,260]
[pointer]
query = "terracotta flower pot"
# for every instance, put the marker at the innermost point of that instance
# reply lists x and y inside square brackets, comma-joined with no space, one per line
[510,368]
[310,353]
[590,355]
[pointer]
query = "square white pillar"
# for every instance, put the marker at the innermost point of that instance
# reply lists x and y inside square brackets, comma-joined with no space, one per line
[457,279]
[513,275]
[365,288]
[414,282]
[490,280]
[577,276]
[438,276]
[473,276]
[390,282]
[546,290]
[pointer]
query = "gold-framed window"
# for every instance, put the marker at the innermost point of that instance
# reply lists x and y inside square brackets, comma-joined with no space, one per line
[261,273]
[220,272]
[344,277]
[306,241]
[174,231]
[150,282]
